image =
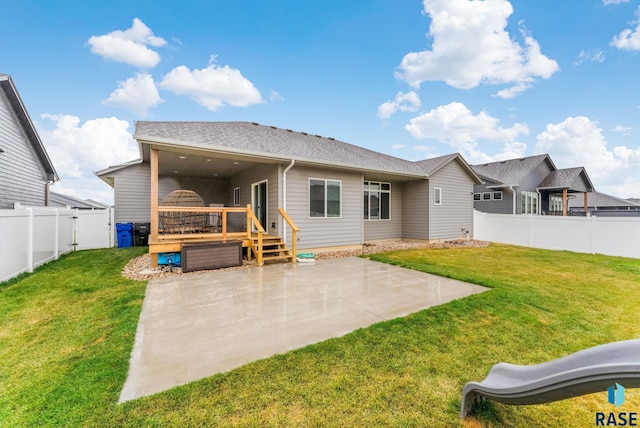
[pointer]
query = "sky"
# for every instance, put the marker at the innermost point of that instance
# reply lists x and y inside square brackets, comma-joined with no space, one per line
[491,80]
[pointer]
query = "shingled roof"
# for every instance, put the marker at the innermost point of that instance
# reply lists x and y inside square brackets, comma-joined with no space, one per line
[567,178]
[512,171]
[253,139]
[602,200]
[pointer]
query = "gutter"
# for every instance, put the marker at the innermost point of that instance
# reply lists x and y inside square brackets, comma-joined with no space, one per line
[284,199]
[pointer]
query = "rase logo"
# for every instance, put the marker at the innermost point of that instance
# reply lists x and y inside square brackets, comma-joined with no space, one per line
[615,396]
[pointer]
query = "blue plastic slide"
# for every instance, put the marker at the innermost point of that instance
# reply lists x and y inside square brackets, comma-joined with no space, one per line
[585,372]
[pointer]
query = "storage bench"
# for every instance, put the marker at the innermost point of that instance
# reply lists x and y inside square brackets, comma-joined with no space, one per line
[211,255]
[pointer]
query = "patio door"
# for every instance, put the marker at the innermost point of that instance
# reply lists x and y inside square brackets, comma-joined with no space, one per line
[259,202]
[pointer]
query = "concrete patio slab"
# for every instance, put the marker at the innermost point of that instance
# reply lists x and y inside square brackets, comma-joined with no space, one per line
[195,326]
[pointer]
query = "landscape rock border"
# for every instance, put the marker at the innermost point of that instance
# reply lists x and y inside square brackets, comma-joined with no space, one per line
[139,268]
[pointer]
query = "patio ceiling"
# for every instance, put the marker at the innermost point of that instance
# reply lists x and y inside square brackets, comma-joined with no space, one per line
[194,164]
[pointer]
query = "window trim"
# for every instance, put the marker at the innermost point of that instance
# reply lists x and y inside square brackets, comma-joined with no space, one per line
[380,191]
[479,195]
[437,196]
[484,194]
[326,180]
[493,196]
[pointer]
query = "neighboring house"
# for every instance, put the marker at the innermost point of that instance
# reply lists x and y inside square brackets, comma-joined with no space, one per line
[337,194]
[60,200]
[529,185]
[26,172]
[603,205]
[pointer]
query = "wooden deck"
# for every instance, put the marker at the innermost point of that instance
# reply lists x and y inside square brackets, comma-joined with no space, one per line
[262,246]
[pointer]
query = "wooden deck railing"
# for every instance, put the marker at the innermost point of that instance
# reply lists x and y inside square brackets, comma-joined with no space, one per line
[294,230]
[173,226]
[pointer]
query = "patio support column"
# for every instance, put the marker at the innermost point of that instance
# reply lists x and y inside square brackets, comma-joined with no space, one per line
[565,202]
[153,164]
[586,204]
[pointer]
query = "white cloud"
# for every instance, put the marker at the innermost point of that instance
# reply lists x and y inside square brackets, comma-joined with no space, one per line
[624,130]
[595,55]
[136,94]
[129,46]
[398,146]
[275,96]
[578,141]
[403,102]
[212,87]
[608,2]
[455,125]
[629,39]
[78,149]
[470,46]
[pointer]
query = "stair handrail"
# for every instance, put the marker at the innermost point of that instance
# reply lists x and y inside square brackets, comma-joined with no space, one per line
[294,230]
[252,220]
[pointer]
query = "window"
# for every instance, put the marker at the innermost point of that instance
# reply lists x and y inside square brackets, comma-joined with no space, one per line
[476,196]
[437,196]
[486,196]
[529,203]
[497,196]
[325,198]
[377,201]
[555,203]
[236,197]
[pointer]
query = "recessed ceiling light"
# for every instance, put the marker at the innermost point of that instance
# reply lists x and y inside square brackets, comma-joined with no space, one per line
[175,172]
[183,157]
[208,160]
[236,163]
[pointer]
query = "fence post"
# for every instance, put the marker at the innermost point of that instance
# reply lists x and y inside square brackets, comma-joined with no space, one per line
[56,239]
[30,241]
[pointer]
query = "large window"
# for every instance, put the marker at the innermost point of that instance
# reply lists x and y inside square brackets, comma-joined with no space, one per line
[325,198]
[529,203]
[377,200]
[555,203]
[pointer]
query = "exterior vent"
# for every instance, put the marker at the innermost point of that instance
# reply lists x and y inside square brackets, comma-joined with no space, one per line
[304,133]
[255,123]
[319,136]
[273,127]
[331,138]
[288,130]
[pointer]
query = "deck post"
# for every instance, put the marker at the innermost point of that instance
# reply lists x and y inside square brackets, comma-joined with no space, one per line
[565,202]
[224,225]
[153,164]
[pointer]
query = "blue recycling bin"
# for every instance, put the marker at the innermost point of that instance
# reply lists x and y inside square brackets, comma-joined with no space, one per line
[124,232]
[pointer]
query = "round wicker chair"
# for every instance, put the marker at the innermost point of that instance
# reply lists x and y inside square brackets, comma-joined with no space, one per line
[183,222]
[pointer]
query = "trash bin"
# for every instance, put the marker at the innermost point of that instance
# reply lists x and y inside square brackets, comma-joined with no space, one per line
[124,232]
[141,234]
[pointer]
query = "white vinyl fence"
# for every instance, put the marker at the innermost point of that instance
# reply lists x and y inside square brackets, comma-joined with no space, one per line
[613,236]
[33,236]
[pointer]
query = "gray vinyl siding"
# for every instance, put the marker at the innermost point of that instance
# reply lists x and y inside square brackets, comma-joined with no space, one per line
[132,194]
[22,177]
[415,209]
[376,230]
[325,232]
[454,216]
[245,180]
[504,206]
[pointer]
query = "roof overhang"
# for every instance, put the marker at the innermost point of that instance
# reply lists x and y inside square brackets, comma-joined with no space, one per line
[7,85]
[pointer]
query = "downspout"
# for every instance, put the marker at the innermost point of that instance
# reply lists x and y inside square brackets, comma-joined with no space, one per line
[284,198]
[47,193]
[513,192]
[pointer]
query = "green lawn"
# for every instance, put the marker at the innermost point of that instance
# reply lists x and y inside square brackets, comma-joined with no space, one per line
[66,332]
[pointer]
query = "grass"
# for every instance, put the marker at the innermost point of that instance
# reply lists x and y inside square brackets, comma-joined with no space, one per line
[66,332]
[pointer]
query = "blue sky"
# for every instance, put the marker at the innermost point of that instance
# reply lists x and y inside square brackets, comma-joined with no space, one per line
[491,79]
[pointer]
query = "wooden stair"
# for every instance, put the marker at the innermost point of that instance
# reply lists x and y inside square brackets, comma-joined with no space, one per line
[274,249]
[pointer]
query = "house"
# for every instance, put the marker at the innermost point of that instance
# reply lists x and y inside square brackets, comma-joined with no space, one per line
[60,200]
[603,205]
[280,183]
[26,172]
[529,185]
